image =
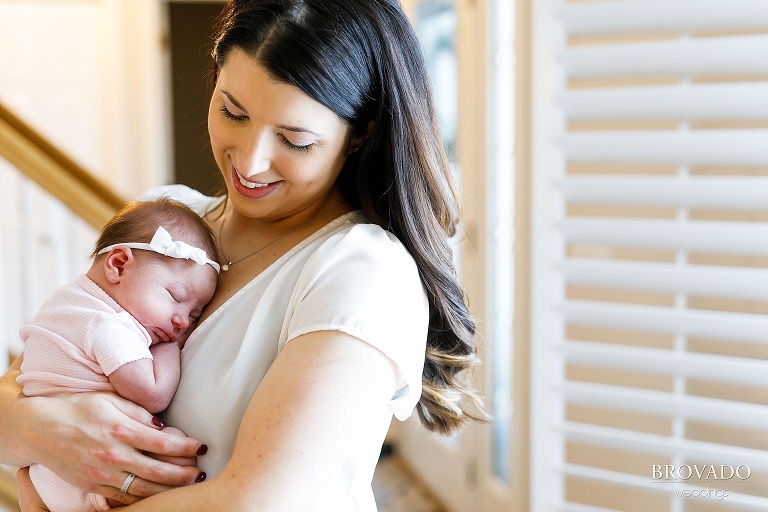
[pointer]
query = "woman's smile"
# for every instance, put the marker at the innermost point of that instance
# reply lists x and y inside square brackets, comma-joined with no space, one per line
[253,189]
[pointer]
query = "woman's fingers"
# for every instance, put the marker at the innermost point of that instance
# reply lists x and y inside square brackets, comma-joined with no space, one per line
[154,440]
[135,411]
[162,473]
[138,490]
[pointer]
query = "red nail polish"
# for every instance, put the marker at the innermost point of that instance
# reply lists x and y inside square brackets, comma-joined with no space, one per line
[200,477]
[202,449]
[157,422]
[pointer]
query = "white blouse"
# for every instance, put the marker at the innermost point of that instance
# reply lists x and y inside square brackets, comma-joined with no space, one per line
[349,276]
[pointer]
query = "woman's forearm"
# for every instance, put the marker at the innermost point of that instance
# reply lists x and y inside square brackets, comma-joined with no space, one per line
[11,430]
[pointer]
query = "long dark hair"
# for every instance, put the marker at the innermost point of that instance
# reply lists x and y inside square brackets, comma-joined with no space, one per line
[361,59]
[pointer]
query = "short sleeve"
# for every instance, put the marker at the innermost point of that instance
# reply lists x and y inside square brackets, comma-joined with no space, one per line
[363,282]
[196,201]
[115,339]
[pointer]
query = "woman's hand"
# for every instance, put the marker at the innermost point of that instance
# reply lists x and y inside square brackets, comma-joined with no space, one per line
[94,440]
[179,461]
[29,499]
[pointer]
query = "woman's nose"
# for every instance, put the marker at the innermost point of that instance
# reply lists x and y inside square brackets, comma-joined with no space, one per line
[257,155]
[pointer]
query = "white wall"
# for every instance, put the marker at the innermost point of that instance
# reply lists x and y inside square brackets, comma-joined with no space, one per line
[90,76]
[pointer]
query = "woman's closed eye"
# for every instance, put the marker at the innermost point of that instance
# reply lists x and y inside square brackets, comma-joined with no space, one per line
[229,115]
[295,147]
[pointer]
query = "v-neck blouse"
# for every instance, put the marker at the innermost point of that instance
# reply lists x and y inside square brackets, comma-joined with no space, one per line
[350,276]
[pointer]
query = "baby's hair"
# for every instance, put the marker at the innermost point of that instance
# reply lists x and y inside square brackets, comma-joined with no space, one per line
[138,221]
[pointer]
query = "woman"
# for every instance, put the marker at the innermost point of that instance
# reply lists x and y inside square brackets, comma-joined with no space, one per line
[337,305]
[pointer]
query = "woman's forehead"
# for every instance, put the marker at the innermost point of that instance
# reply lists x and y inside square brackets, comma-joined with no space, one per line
[250,86]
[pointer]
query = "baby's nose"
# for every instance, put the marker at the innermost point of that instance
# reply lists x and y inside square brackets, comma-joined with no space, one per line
[181,321]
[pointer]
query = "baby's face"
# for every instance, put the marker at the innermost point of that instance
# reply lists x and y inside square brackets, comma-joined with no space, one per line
[166,294]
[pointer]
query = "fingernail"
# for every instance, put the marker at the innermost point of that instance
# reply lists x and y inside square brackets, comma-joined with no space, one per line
[157,422]
[200,477]
[202,450]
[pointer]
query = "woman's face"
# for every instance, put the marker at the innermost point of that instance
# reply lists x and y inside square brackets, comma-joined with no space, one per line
[279,150]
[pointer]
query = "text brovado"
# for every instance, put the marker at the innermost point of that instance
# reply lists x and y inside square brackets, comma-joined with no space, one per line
[669,472]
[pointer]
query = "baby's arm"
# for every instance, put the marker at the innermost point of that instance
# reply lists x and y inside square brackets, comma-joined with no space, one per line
[150,383]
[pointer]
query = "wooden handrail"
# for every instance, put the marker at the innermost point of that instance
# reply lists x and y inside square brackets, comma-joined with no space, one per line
[59,175]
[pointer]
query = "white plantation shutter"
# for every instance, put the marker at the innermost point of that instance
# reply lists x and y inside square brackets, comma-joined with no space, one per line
[650,253]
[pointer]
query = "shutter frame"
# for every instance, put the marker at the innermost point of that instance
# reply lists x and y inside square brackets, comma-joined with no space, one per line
[650,217]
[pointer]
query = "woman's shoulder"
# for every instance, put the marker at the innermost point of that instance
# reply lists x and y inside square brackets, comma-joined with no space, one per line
[358,240]
[196,201]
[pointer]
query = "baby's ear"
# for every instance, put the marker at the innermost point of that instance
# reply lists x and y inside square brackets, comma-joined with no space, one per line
[116,262]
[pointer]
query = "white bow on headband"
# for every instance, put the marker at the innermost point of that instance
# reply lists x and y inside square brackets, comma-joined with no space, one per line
[162,243]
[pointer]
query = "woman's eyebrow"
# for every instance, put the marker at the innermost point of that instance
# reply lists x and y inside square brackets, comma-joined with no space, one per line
[297,129]
[233,101]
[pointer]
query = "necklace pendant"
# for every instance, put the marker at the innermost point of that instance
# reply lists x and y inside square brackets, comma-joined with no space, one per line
[225,267]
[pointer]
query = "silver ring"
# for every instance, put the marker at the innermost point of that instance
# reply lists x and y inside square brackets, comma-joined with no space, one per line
[127,483]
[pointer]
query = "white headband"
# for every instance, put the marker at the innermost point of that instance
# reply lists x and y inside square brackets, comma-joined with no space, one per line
[162,243]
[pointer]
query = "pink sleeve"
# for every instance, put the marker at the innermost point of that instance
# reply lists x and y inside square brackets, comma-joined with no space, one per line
[115,339]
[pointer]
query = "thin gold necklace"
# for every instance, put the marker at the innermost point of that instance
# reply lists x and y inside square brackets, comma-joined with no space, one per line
[229,263]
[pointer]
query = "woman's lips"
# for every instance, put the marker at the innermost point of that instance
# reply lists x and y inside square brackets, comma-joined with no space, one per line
[250,184]
[250,189]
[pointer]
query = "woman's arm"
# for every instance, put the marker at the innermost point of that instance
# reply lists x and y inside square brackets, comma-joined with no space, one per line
[92,440]
[313,405]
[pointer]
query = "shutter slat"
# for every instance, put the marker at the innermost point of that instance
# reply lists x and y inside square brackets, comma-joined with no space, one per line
[740,193]
[578,507]
[663,445]
[734,498]
[685,322]
[653,16]
[708,410]
[737,282]
[712,56]
[735,370]
[746,101]
[714,236]
[711,147]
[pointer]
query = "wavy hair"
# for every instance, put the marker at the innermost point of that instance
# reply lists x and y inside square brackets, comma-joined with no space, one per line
[361,59]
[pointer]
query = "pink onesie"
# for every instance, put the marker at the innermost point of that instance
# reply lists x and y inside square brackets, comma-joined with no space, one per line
[76,340]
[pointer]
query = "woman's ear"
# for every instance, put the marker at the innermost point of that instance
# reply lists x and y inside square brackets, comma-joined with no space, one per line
[356,143]
[116,262]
